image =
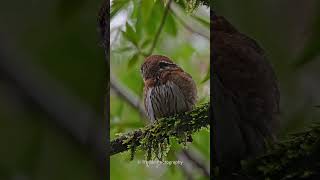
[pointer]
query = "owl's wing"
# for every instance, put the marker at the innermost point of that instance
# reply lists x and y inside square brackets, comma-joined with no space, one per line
[245,72]
[186,85]
[252,98]
[177,101]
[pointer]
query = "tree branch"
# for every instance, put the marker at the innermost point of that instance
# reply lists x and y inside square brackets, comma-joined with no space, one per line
[163,20]
[127,95]
[188,175]
[296,157]
[189,28]
[196,162]
[174,126]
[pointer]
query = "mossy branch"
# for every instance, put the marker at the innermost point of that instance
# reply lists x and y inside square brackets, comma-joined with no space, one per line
[178,126]
[296,157]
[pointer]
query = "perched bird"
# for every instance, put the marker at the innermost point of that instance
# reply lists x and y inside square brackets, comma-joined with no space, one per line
[246,92]
[167,88]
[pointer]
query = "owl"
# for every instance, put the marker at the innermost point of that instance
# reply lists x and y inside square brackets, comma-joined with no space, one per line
[247,94]
[168,90]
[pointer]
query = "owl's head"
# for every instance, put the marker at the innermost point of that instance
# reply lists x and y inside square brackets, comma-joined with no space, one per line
[156,64]
[219,23]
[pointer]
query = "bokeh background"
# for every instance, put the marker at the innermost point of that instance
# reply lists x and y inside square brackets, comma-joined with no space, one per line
[53,78]
[185,38]
[289,31]
[52,86]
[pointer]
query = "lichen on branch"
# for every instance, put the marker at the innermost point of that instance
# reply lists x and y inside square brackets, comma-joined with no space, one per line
[154,139]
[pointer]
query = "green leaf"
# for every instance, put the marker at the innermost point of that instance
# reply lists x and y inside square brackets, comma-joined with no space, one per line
[203,21]
[170,26]
[154,22]
[139,26]
[134,59]
[116,6]
[120,109]
[146,10]
[137,15]
[201,143]
[145,43]
[184,51]
[131,35]
[136,10]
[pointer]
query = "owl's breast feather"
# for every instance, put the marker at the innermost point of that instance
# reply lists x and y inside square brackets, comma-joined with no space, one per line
[164,100]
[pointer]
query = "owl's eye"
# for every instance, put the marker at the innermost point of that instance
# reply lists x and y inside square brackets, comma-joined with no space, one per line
[164,64]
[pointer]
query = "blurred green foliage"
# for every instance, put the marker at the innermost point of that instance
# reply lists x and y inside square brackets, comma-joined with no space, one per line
[134,25]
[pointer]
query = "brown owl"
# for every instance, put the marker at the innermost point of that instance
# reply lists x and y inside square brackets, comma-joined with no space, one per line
[247,94]
[168,89]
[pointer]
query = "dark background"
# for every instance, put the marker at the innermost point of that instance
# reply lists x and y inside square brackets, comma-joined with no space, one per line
[289,32]
[52,86]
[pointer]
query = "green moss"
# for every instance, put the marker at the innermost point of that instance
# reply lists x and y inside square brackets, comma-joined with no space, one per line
[155,138]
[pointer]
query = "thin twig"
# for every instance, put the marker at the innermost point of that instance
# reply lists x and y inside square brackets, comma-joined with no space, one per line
[187,174]
[163,20]
[125,94]
[189,28]
[196,162]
